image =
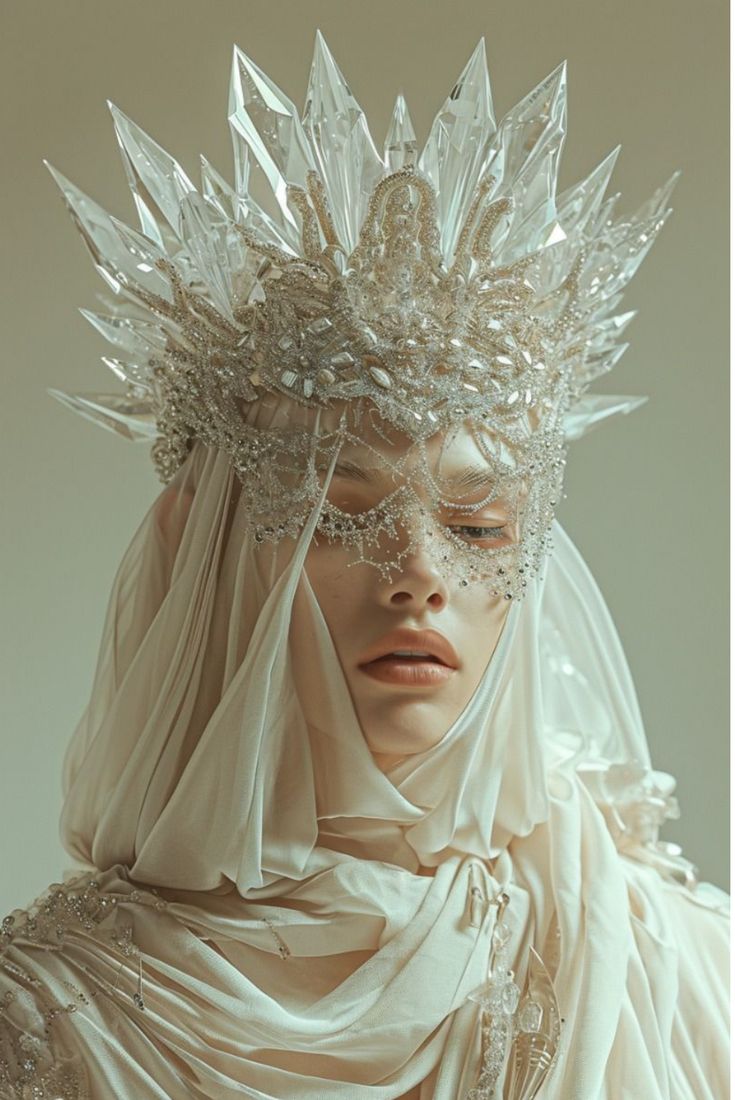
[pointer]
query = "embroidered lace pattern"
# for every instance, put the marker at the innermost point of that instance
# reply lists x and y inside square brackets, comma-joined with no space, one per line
[34,1065]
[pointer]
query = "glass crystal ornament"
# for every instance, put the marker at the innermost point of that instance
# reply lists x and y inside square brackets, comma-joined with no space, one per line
[520,1031]
[405,292]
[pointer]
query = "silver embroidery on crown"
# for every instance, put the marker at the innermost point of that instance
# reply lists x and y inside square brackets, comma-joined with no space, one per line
[431,287]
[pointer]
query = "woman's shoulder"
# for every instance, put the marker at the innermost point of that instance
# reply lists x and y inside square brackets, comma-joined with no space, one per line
[71,949]
[635,802]
[696,913]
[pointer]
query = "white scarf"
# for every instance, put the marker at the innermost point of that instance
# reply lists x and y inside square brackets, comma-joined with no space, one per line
[315,935]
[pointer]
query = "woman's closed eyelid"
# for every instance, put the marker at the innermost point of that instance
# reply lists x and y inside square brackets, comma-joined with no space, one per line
[483,536]
[495,512]
[365,497]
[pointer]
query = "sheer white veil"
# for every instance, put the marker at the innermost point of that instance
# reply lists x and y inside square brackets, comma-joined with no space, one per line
[220,760]
[197,760]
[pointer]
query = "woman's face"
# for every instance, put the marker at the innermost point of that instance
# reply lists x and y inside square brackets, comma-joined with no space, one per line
[408,686]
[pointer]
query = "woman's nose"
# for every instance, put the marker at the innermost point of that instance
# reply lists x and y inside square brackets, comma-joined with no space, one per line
[415,581]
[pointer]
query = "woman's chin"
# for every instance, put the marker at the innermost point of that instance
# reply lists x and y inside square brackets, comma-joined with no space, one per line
[401,737]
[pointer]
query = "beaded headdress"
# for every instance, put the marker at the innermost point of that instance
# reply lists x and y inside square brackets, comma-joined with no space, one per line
[401,296]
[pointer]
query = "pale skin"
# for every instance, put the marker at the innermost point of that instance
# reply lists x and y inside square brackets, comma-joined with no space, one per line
[360,606]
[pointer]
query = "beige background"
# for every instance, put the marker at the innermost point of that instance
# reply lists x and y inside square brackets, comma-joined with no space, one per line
[646,495]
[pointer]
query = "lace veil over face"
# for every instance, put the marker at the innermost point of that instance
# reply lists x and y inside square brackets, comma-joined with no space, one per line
[221,761]
[195,729]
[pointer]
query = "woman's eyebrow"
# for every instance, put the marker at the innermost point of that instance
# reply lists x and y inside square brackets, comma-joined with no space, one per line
[469,477]
[359,473]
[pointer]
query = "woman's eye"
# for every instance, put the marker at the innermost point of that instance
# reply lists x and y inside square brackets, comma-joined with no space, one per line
[477,533]
[348,500]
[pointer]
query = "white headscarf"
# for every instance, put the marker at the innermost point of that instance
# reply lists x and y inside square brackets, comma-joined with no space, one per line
[317,939]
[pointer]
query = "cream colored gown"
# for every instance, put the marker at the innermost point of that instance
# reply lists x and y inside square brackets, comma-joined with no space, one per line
[259,911]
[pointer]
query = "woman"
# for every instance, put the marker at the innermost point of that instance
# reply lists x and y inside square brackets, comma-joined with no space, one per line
[362,802]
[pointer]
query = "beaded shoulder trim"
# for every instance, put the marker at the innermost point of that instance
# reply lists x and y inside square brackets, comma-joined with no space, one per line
[34,1061]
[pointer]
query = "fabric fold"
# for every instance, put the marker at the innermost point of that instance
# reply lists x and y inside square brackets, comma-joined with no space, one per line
[297,922]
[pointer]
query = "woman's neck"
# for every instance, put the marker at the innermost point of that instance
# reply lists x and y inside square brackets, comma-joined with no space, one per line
[385,761]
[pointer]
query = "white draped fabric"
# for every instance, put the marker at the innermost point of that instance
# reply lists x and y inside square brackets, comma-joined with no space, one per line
[299,917]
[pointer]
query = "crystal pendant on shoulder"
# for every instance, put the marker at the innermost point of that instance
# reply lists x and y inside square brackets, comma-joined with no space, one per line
[520,1032]
[537,1031]
[498,999]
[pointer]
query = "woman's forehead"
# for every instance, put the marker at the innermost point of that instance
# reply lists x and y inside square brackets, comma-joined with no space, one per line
[447,450]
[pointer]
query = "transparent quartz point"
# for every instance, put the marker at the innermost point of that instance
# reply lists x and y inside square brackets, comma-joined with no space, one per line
[206,233]
[265,122]
[400,143]
[592,409]
[217,191]
[529,141]
[150,169]
[132,374]
[129,334]
[128,417]
[343,148]
[123,257]
[579,204]
[456,147]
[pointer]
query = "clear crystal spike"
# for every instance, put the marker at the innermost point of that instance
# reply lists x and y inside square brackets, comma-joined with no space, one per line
[605,308]
[655,205]
[266,121]
[579,204]
[604,215]
[150,168]
[127,334]
[343,148]
[250,214]
[132,374]
[593,408]
[217,191]
[131,418]
[400,143]
[627,247]
[233,210]
[610,330]
[530,129]
[206,238]
[535,120]
[456,147]
[599,364]
[124,258]
[531,137]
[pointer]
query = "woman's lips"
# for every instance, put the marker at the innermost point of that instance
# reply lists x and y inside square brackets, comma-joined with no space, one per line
[408,671]
[411,658]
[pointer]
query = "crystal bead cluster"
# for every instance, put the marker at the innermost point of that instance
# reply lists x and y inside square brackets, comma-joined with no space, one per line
[636,801]
[520,1031]
[33,1064]
[437,288]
